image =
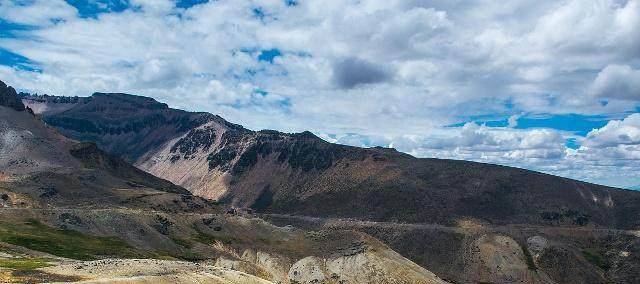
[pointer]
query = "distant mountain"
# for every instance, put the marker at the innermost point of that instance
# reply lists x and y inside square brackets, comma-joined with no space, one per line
[301,174]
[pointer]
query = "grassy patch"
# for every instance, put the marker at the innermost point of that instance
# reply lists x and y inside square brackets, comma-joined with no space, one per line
[182,242]
[206,238]
[527,256]
[65,243]
[596,257]
[24,263]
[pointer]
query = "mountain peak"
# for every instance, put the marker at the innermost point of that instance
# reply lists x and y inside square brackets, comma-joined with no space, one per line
[131,100]
[9,97]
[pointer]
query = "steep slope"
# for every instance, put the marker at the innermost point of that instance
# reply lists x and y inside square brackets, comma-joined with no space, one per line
[121,124]
[302,174]
[41,168]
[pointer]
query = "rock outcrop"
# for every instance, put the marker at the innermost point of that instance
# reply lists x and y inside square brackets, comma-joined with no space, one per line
[9,97]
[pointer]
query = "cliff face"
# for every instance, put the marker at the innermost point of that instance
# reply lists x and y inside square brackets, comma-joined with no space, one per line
[299,173]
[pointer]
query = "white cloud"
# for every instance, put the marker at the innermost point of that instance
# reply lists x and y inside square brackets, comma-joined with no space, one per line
[589,27]
[616,132]
[617,82]
[419,65]
[39,12]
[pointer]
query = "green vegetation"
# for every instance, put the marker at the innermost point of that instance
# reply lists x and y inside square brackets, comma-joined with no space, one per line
[24,263]
[206,238]
[527,256]
[182,242]
[596,257]
[65,243]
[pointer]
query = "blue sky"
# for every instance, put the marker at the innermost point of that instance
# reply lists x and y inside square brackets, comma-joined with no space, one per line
[552,86]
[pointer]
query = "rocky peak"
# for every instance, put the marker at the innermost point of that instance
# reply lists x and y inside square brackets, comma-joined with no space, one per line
[129,101]
[9,97]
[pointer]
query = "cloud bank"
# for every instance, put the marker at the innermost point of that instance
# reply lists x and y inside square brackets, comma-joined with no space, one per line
[427,77]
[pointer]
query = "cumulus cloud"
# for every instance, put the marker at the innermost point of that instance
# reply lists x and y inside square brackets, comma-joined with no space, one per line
[496,143]
[610,154]
[617,82]
[616,132]
[369,72]
[587,27]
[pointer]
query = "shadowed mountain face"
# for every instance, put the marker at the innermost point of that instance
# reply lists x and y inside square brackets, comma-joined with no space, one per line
[301,174]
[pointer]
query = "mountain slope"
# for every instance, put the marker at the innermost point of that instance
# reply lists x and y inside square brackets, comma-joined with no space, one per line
[41,168]
[554,231]
[302,174]
[66,203]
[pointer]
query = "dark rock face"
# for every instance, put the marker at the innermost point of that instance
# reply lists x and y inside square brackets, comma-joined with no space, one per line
[265,199]
[92,157]
[48,192]
[162,224]
[300,151]
[127,126]
[197,139]
[9,97]
[303,151]
[222,159]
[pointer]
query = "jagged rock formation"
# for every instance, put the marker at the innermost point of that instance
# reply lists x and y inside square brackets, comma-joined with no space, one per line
[301,174]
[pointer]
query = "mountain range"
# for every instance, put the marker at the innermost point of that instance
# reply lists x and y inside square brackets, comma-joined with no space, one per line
[71,212]
[102,181]
[299,173]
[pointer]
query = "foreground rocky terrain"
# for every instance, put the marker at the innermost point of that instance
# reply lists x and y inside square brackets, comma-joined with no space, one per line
[195,247]
[292,207]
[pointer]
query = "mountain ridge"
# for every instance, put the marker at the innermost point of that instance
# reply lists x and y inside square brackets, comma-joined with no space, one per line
[299,173]
[483,223]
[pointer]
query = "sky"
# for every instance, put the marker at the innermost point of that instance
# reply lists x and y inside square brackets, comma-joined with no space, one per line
[546,85]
